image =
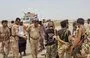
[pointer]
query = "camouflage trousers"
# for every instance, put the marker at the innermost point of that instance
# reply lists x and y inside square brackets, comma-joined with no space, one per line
[14,47]
[51,51]
[5,47]
[86,48]
[34,47]
[62,50]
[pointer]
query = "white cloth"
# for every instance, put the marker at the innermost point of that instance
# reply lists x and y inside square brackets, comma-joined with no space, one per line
[21,31]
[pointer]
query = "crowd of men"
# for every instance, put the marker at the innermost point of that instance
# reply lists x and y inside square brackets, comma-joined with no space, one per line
[60,43]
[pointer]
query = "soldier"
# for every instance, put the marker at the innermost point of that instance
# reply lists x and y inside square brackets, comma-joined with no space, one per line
[15,38]
[51,43]
[5,38]
[35,34]
[79,38]
[88,28]
[74,31]
[63,40]
[86,44]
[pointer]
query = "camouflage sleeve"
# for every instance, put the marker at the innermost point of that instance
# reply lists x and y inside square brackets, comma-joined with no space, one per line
[28,28]
[13,31]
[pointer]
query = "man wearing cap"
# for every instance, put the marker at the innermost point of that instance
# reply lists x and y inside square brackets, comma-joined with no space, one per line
[35,34]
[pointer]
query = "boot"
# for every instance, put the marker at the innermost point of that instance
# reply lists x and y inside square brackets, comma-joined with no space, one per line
[24,53]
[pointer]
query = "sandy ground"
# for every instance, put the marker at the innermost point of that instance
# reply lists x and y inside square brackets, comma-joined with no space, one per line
[28,51]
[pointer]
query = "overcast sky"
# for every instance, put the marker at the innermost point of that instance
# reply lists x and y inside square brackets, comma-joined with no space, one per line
[53,9]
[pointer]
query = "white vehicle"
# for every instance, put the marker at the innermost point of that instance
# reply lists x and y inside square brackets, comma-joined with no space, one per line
[28,17]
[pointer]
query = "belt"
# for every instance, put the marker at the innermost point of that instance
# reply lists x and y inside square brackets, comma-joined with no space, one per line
[34,38]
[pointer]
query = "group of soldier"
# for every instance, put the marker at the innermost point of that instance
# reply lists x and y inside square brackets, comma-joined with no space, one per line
[60,43]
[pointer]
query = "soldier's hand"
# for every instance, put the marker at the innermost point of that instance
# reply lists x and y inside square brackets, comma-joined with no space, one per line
[66,43]
[54,36]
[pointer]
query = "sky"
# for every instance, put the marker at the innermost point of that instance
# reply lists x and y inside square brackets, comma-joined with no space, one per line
[48,9]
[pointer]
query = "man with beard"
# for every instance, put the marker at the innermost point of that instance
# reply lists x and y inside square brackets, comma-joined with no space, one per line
[51,43]
[63,40]
[35,34]
[5,38]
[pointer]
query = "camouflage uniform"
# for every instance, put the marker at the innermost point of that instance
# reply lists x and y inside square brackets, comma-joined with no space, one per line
[34,39]
[51,43]
[78,50]
[14,41]
[5,40]
[51,51]
[64,48]
[86,44]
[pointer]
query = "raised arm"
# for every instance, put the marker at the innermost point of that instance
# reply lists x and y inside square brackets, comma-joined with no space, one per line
[28,28]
